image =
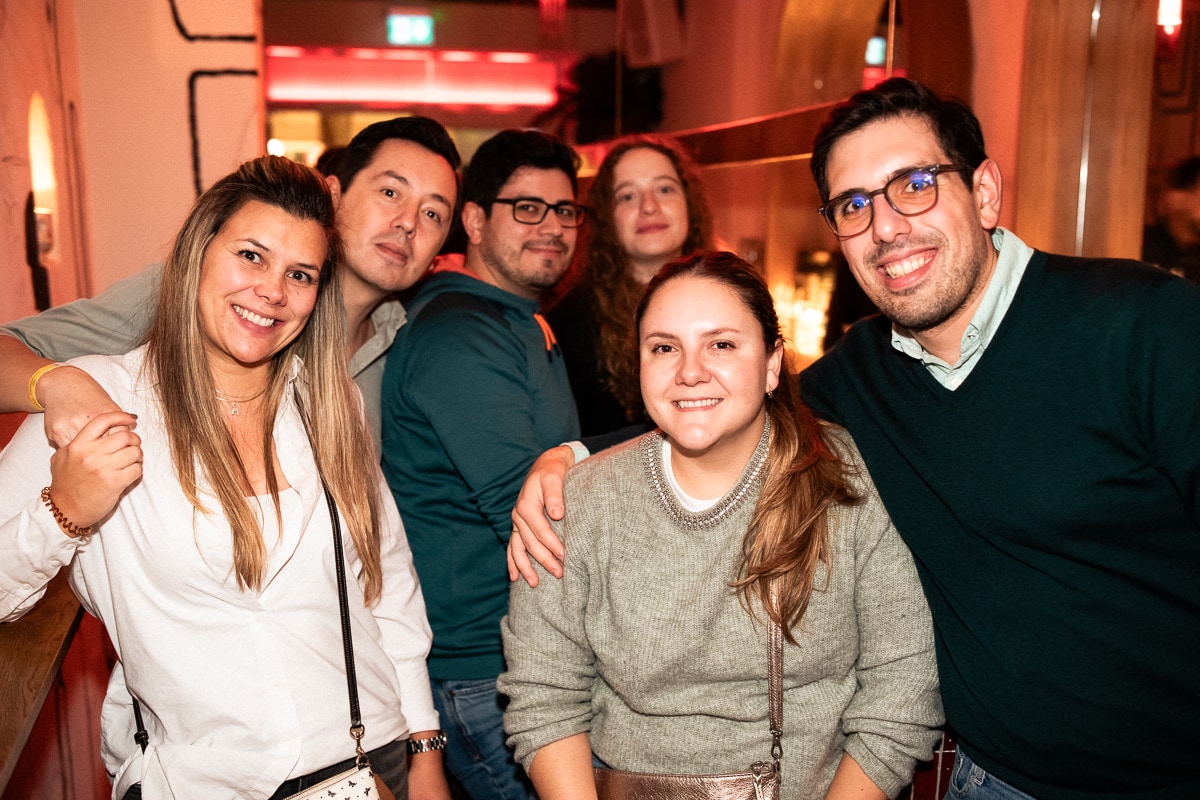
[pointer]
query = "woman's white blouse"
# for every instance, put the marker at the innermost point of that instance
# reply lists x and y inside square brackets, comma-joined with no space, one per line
[239,688]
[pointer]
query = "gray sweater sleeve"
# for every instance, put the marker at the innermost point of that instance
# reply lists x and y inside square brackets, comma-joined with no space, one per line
[888,720]
[111,323]
[551,666]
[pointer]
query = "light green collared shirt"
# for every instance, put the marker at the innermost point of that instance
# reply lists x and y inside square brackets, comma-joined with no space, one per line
[1010,266]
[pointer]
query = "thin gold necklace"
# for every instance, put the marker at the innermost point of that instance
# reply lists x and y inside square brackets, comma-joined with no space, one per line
[233,402]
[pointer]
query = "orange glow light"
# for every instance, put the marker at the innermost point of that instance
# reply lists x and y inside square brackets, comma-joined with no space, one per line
[1170,15]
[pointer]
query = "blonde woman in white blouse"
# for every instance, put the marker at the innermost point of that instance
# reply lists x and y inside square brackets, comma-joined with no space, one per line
[195,526]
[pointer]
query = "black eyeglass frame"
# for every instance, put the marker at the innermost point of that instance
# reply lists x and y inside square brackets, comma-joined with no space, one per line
[580,210]
[933,169]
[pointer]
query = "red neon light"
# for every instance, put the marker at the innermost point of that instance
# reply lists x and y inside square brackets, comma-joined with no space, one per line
[512,58]
[366,77]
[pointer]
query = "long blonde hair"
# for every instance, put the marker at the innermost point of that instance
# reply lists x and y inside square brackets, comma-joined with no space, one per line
[788,536]
[328,399]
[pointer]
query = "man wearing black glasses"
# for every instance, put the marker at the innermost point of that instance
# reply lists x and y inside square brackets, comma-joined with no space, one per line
[474,390]
[1032,422]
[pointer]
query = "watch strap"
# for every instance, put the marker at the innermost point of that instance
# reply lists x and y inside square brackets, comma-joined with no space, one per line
[427,744]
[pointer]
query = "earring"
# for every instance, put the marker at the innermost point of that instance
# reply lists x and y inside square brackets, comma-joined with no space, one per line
[770,393]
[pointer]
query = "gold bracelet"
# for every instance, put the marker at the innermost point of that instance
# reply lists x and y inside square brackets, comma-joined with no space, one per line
[71,528]
[33,382]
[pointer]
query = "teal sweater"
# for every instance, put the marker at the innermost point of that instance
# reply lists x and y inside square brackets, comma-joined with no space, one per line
[472,394]
[1052,504]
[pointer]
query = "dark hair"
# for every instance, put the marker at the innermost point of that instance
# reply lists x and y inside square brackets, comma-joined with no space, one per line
[1184,175]
[327,162]
[426,132]
[788,535]
[500,156]
[614,292]
[954,124]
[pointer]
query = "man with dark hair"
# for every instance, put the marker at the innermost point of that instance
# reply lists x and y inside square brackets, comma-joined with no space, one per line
[1173,243]
[1032,424]
[395,192]
[473,391]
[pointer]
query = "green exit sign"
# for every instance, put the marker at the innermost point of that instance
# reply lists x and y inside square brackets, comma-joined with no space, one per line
[410,29]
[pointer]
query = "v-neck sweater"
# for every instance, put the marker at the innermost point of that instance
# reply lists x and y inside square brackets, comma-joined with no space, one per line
[1052,504]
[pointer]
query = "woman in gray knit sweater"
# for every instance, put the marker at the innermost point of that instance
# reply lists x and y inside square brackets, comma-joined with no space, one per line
[650,654]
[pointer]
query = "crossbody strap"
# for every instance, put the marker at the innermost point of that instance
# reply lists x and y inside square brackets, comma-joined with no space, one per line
[775,686]
[356,727]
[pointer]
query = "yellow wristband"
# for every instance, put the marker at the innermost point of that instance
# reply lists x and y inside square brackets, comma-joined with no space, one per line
[33,382]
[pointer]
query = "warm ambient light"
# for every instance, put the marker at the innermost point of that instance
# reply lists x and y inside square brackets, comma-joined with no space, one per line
[1170,15]
[409,77]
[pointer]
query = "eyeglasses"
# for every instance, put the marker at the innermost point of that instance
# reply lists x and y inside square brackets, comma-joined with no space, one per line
[909,192]
[532,210]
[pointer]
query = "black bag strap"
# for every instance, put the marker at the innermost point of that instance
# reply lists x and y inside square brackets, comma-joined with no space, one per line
[356,727]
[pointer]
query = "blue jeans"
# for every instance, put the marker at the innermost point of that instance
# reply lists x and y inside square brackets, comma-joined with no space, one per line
[472,715]
[969,781]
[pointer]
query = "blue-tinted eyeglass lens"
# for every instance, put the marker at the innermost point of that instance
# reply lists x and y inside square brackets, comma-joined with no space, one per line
[914,191]
[852,209]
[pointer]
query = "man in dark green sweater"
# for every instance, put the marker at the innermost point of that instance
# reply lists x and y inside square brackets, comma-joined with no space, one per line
[473,390]
[1032,423]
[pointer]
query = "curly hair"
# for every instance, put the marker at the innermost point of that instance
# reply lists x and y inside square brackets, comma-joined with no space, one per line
[614,292]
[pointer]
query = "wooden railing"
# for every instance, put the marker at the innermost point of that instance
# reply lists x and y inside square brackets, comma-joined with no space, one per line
[51,749]
[31,652]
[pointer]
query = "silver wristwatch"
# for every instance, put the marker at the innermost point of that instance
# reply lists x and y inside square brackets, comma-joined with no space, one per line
[427,745]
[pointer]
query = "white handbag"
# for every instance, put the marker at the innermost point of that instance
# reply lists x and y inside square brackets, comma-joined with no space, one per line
[358,783]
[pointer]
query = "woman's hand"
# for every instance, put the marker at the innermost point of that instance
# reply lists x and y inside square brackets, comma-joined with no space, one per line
[541,496]
[71,398]
[89,475]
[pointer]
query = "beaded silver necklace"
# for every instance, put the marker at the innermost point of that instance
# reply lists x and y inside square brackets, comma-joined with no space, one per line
[697,520]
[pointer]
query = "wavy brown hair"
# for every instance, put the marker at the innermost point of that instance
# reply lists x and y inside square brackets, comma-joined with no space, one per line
[330,404]
[614,293]
[788,536]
